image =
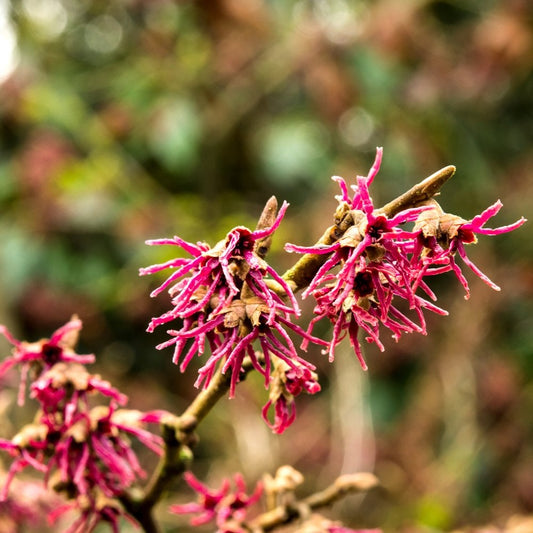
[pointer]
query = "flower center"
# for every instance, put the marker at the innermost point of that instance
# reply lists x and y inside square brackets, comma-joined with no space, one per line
[51,353]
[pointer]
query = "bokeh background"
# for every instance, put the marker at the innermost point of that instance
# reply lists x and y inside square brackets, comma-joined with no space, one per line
[126,120]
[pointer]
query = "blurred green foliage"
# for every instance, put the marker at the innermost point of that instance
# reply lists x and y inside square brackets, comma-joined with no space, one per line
[126,120]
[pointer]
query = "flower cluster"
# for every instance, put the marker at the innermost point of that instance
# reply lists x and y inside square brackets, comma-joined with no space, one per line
[229,299]
[228,509]
[380,265]
[84,453]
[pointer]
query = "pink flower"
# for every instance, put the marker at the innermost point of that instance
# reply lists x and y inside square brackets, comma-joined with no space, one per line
[224,301]
[443,236]
[83,452]
[87,459]
[287,384]
[26,507]
[91,512]
[368,305]
[45,353]
[61,387]
[374,261]
[284,413]
[80,450]
[228,509]
[379,264]
[218,273]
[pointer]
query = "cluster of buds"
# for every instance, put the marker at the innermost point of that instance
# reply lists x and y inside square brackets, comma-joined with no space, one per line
[84,453]
[376,264]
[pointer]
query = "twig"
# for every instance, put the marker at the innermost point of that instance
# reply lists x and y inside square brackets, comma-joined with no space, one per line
[420,193]
[284,514]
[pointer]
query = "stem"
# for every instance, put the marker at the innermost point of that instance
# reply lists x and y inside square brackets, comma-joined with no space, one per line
[349,483]
[142,513]
[173,462]
[207,398]
[179,439]
[178,436]
[302,272]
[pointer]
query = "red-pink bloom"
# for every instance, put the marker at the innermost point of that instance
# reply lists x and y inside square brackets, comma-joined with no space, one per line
[228,509]
[379,264]
[443,236]
[287,384]
[63,386]
[89,451]
[90,513]
[83,452]
[26,507]
[374,270]
[284,413]
[45,353]
[87,459]
[219,273]
[224,301]
[368,305]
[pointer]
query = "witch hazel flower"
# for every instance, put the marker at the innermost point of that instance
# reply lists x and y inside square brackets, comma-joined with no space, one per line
[95,452]
[64,386]
[443,236]
[83,452]
[78,448]
[26,507]
[218,272]
[91,513]
[228,299]
[367,306]
[286,384]
[42,355]
[227,508]
[374,265]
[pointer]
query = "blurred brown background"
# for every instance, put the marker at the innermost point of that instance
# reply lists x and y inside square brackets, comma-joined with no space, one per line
[127,120]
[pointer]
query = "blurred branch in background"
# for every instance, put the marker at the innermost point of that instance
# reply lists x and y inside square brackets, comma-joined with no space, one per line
[125,120]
